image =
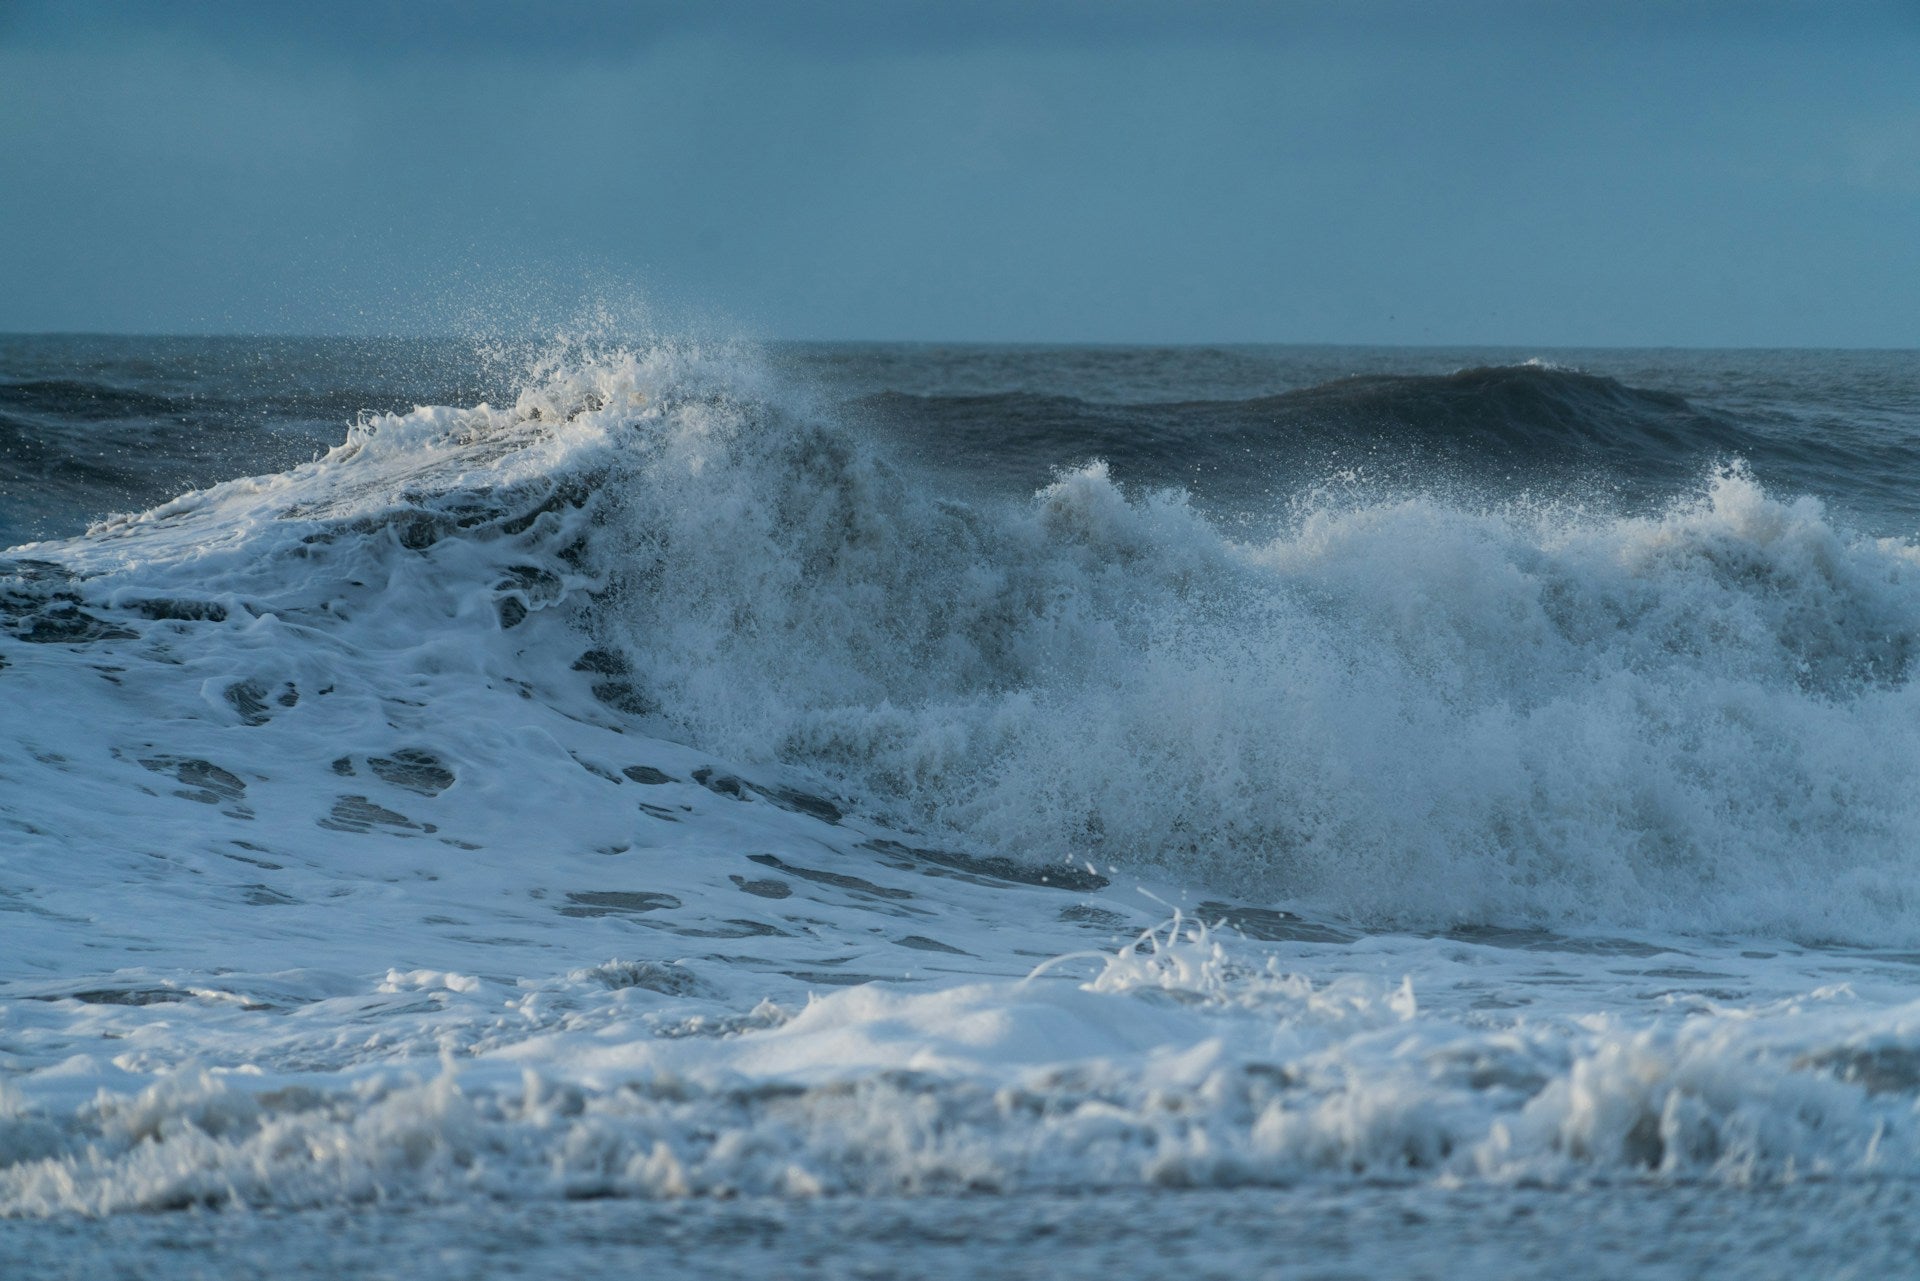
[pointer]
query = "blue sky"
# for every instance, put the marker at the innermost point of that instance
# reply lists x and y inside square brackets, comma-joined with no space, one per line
[1542,174]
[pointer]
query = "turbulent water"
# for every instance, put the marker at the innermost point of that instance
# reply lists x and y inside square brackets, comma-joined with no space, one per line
[441,778]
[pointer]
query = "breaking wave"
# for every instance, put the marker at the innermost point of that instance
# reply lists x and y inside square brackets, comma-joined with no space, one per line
[1400,709]
[1403,709]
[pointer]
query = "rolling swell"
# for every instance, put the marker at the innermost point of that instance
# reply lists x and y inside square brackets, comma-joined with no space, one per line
[1533,423]
[1513,412]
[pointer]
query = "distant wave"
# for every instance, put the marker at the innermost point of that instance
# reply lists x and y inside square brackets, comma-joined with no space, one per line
[83,399]
[1535,420]
[1530,409]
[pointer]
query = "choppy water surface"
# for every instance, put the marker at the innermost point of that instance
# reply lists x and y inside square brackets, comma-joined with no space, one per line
[1290,790]
[1661,1233]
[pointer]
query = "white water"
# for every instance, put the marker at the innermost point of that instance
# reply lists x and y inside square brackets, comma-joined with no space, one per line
[356,892]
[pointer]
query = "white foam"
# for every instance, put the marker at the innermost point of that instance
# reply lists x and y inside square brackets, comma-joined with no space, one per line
[1259,1074]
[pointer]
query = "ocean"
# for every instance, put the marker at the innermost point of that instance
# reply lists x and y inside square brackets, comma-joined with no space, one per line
[470,808]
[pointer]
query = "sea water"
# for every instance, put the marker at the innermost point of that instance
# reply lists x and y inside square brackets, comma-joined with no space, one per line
[881,809]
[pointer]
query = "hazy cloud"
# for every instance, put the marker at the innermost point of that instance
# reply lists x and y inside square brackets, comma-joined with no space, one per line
[1633,173]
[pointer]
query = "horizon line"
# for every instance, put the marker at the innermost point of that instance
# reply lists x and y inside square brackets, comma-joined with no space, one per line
[1035,343]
